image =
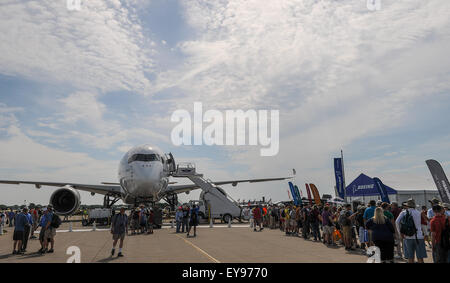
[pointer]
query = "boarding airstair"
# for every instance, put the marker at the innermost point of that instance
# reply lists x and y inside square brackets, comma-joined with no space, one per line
[221,205]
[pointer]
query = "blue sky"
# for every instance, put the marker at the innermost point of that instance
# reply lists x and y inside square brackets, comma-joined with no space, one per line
[79,88]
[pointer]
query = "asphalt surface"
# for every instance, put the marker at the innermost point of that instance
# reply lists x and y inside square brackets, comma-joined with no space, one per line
[238,244]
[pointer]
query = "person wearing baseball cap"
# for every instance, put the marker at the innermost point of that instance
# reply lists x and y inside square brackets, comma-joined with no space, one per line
[414,245]
[433,202]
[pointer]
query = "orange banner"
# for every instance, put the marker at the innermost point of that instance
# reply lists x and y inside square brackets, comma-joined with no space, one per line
[315,193]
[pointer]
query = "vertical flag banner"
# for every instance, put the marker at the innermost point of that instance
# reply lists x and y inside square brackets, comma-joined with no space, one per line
[299,196]
[338,173]
[289,195]
[309,194]
[315,193]
[440,179]
[381,190]
[293,193]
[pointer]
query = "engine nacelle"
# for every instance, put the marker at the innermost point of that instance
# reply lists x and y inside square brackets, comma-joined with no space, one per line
[65,201]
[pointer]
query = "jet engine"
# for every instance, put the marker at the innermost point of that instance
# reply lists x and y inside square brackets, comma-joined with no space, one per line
[65,201]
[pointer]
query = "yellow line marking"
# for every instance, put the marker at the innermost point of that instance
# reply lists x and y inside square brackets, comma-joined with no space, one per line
[199,249]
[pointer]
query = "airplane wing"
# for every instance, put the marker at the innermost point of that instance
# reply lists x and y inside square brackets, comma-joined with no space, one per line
[97,189]
[235,182]
[178,189]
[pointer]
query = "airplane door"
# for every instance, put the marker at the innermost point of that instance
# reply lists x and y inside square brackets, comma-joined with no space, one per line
[171,163]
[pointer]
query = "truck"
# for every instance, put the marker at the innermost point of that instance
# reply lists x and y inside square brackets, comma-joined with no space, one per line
[217,204]
[101,216]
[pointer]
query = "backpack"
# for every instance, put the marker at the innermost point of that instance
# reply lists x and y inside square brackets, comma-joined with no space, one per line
[407,226]
[56,221]
[445,236]
[283,214]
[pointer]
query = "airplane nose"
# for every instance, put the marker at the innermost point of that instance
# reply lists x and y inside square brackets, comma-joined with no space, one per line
[146,178]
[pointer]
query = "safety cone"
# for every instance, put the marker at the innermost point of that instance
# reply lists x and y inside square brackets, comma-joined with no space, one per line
[210,222]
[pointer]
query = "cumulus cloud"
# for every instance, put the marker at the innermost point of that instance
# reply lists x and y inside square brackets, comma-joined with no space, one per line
[336,71]
[100,47]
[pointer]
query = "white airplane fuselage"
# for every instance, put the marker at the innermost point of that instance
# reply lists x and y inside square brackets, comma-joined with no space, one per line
[143,174]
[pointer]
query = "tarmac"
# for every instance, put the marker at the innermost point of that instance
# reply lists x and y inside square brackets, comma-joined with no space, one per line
[220,244]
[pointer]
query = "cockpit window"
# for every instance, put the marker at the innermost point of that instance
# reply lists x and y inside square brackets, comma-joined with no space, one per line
[144,158]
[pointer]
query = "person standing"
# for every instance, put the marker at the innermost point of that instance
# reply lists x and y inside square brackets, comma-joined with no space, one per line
[2,221]
[134,221]
[382,234]
[35,217]
[119,228]
[396,210]
[369,213]
[314,220]
[179,218]
[424,224]
[346,225]
[362,232]
[408,224]
[327,223]
[11,216]
[142,219]
[19,230]
[257,215]
[306,221]
[185,222]
[298,220]
[28,227]
[50,230]
[193,222]
[434,201]
[437,225]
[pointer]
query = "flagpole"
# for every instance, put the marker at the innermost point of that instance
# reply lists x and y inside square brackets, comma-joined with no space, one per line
[343,175]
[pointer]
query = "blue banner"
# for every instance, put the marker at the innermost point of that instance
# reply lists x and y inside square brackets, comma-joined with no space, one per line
[293,193]
[382,190]
[338,173]
[299,197]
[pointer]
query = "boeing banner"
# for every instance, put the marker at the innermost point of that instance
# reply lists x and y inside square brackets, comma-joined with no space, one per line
[440,179]
[299,197]
[382,190]
[338,173]
[293,193]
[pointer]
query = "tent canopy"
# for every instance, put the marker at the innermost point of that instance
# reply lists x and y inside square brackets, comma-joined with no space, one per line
[365,186]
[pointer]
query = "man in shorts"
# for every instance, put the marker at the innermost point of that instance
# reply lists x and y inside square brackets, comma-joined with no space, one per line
[412,245]
[48,232]
[328,228]
[19,231]
[119,228]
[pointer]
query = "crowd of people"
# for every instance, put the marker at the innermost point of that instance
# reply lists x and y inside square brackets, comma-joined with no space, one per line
[186,218]
[398,231]
[26,222]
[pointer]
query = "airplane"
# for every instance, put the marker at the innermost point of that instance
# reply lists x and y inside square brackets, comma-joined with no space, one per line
[143,175]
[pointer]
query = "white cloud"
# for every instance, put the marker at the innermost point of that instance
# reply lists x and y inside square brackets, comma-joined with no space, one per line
[99,47]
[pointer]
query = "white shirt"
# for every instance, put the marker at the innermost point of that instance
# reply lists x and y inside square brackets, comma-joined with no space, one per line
[416,217]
